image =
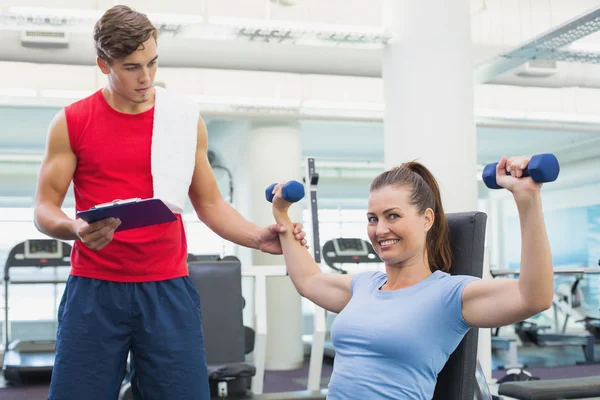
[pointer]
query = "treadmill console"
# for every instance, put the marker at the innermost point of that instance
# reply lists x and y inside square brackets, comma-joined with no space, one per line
[350,247]
[43,248]
[348,250]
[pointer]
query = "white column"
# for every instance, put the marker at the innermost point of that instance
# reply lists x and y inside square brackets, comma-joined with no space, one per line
[428,92]
[273,154]
[428,89]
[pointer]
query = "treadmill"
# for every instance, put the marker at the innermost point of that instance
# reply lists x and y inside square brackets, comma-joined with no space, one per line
[346,251]
[32,358]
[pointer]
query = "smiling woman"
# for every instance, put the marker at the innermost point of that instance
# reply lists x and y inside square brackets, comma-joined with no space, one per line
[415,196]
[402,325]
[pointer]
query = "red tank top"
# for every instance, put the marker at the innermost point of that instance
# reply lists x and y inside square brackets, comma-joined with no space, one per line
[113,162]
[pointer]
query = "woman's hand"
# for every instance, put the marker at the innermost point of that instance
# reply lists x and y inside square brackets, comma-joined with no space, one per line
[509,175]
[280,205]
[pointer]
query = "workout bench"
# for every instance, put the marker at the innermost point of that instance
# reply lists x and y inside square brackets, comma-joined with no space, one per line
[554,389]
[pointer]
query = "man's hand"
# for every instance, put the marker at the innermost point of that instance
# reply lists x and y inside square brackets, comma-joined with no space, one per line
[269,238]
[97,234]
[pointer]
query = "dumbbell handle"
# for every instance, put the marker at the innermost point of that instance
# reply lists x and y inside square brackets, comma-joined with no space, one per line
[292,191]
[541,168]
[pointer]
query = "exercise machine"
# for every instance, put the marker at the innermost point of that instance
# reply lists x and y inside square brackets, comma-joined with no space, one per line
[294,191]
[567,301]
[34,358]
[339,251]
[319,317]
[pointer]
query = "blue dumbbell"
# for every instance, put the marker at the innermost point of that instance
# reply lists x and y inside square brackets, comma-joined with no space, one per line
[542,168]
[292,191]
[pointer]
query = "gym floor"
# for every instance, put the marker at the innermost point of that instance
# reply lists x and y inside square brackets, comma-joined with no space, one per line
[544,363]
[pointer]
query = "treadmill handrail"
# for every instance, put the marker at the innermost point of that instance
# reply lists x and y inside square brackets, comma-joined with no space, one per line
[47,282]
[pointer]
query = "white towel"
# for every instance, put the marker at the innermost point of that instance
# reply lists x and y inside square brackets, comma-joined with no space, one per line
[173,153]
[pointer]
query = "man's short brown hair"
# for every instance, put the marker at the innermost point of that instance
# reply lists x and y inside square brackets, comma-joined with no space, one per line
[120,32]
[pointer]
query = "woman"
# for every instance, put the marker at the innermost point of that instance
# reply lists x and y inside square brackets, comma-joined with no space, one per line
[396,330]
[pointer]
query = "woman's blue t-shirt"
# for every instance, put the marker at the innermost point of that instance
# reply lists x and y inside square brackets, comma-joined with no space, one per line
[393,344]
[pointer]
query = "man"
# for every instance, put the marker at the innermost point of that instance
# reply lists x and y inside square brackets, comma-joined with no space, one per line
[129,290]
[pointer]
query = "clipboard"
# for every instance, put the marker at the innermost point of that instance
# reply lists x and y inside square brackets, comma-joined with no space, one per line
[133,213]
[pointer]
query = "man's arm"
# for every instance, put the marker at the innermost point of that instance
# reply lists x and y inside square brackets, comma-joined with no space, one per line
[210,206]
[56,173]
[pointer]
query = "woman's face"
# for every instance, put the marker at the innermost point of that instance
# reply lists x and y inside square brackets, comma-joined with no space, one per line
[395,227]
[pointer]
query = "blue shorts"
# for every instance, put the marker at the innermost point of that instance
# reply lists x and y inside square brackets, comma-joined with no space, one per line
[100,322]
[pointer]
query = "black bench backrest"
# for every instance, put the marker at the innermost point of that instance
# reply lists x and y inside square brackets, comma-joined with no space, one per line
[219,283]
[456,381]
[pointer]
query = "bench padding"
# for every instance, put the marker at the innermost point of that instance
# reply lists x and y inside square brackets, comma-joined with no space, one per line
[555,389]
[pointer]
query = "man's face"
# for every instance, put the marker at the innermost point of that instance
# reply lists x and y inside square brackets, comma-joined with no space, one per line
[132,77]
